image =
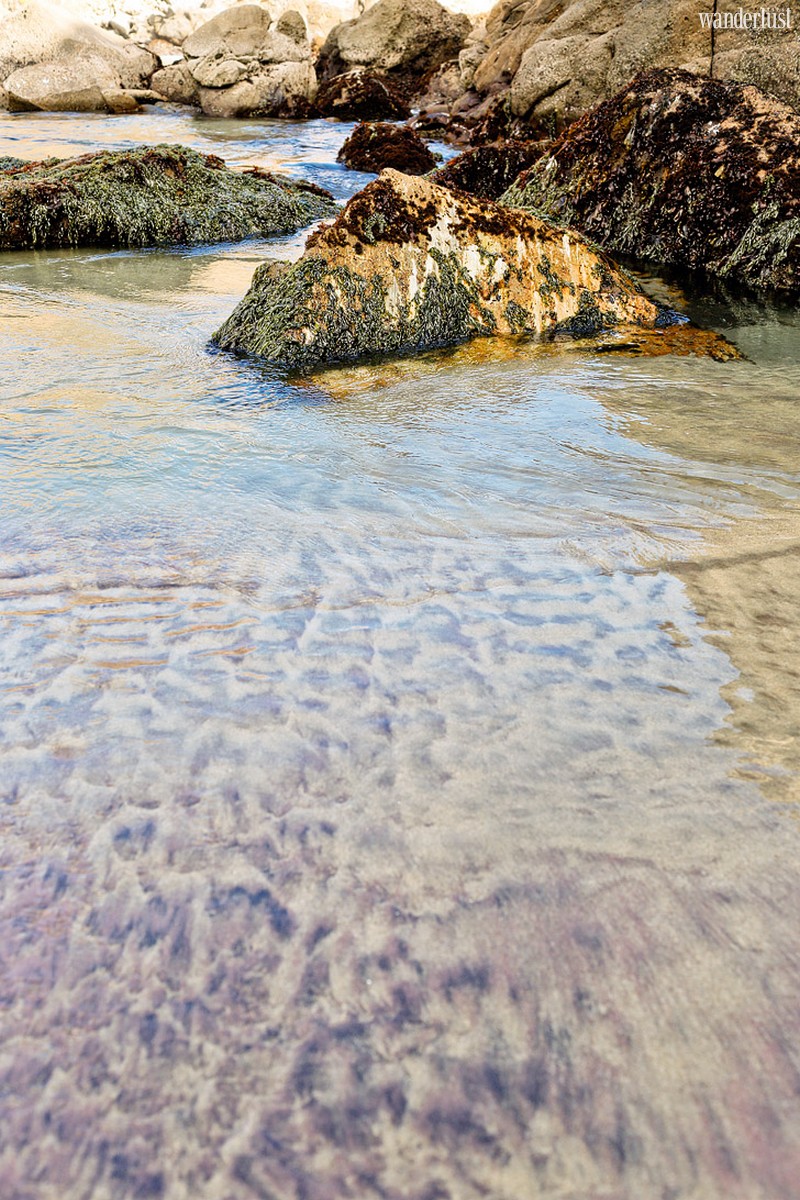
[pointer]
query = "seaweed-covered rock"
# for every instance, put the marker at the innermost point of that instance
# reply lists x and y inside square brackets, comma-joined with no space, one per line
[375,146]
[408,265]
[360,96]
[151,196]
[405,38]
[684,171]
[488,171]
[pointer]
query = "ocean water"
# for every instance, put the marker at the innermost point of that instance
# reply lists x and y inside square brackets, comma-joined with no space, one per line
[398,766]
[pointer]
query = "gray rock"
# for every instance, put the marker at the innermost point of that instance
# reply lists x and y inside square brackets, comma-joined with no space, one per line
[279,89]
[237,33]
[409,37]
[176,83]
[213,72]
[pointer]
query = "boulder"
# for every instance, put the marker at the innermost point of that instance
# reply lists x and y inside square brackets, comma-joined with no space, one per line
[61,87]
[555,59]
[213,72]
[375,146]
[281,90]
[488,171]
[292,24]
[406,38]
[360,96]
[37,33]
[685,171]
[246,33]
[151,196]
[409,265]
[177,83]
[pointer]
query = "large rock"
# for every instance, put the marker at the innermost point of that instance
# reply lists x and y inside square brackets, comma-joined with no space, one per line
[361,96]
[35,32]
[61,86]
[374,146]
[407,38]
[408,265]
[683,171]
[282,90]
[153,196]
[237,32]
[555,59]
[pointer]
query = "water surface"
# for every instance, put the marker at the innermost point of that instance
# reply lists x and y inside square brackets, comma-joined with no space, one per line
[397,767]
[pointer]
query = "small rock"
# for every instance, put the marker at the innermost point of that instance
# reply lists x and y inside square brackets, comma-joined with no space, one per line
[375,146]
[361,96]
[213,72]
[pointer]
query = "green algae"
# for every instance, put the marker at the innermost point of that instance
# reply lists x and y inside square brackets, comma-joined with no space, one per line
[9,163]
[152,196]
[276,318]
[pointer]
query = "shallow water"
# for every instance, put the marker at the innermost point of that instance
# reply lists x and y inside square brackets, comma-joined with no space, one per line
[398,767]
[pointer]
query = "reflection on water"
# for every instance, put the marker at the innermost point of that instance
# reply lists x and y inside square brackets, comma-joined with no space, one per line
[378,810]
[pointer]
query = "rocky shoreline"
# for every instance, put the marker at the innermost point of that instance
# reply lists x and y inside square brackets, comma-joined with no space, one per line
[676,168]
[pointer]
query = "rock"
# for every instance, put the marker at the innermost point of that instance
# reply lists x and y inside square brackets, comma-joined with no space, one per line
[213,72]
[291,24]
[240,32]
[177,83]
[151,196]
[61,87]
[360,96]
[555,59]
[120,102]
[488,171]
[684,171]
[9,163]
[406,38]
[281,90]
[177,27]
[40,34]
[374,146]
[409,265]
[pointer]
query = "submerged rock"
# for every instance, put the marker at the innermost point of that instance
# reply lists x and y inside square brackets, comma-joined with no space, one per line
[360,96]
[488,171]
[684,171]
[375,146]
[152,196]
[409,265]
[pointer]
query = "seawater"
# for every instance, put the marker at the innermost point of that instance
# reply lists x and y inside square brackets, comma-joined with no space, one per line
[398,766]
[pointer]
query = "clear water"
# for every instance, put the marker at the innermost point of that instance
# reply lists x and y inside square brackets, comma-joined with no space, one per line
[398,767]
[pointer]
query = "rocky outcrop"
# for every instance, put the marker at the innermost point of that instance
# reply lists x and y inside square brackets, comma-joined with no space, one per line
[154,196]
[49,60]
[243,63]
[375,146]
[409,265]
[488,171]
[552,60]
[682,171]
[406,39]
[361,96]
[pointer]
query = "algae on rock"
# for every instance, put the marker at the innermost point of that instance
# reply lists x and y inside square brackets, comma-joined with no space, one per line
[682,171]
[151,196]
[409,265]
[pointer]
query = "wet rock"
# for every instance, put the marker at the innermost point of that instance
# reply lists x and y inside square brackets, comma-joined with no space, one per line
[374,146]
[685,171]
[360,96]
[409,265]
[405,38]
[488,171]
[158,195]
